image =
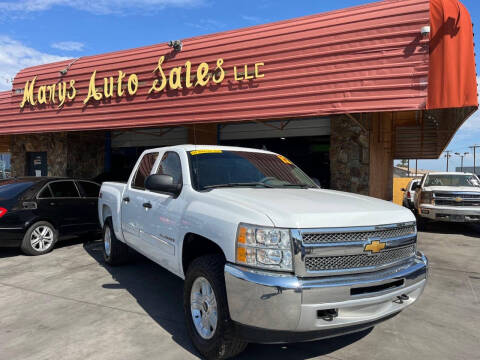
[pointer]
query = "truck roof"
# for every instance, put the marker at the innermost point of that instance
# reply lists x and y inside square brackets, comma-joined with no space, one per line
[448,173]
[191,147]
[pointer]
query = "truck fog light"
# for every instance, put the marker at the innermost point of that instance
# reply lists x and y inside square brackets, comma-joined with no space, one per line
[269,257]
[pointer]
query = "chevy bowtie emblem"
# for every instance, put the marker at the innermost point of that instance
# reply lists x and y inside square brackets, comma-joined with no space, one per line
[375,246]
[458,199]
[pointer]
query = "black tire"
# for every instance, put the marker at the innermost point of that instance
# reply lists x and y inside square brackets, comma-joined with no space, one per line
[223,343]
[421,223]
[35,250]
[118,253]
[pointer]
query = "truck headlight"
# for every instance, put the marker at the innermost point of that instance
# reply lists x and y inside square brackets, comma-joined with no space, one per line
[427,198]
[267,248]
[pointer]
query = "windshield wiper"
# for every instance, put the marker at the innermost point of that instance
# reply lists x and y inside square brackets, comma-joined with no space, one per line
[302,186]
[238,185]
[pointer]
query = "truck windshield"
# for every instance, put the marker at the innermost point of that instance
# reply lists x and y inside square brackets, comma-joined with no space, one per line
[452,180]
[219,168]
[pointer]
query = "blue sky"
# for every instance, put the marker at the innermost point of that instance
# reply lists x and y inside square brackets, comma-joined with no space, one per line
[41,31]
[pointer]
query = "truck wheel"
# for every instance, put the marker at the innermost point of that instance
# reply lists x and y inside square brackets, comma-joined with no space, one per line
[39,239]
[206,309]
[115,252]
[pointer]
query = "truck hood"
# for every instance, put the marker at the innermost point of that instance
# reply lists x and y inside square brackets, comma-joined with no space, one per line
[316,208]
[453,189]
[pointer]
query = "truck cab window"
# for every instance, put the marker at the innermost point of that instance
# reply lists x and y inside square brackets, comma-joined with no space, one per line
[171,165]
[144,169]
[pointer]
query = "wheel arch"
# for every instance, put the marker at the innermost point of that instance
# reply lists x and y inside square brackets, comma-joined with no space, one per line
[195,246]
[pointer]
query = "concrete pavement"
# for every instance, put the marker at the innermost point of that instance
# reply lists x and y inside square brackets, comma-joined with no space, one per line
[69,305]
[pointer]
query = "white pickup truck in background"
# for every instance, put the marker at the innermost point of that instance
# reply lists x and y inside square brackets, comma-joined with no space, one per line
[267,256]
[448,196]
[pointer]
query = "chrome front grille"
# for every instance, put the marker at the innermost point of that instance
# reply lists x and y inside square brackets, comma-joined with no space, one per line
[349,250]
[329,263]
[339,237]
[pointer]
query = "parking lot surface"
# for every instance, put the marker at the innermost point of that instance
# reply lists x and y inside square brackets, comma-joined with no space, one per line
[70,305]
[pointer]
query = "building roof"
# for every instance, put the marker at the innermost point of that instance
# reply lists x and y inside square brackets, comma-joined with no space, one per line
[368,58]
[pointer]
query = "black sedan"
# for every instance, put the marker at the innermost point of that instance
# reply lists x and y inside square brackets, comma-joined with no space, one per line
[36,211]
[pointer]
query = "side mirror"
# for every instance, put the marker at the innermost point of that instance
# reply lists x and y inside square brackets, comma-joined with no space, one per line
[403,189]
[163,184]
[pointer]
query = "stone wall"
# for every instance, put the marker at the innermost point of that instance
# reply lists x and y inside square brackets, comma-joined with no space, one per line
[349,156]
[55,144]
[79,155]
[86,153]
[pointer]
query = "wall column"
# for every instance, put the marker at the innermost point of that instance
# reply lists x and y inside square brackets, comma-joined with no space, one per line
[203,134]
[381,156]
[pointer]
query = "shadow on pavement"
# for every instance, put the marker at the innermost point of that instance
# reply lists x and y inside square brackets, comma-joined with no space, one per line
[160,294]
[466,229]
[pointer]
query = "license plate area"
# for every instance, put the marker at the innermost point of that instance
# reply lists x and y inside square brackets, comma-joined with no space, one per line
[377,288]
[457,218]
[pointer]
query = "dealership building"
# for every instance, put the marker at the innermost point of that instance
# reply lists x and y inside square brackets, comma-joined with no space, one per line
[341,94]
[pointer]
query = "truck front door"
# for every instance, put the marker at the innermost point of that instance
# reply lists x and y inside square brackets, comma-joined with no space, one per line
[159,230]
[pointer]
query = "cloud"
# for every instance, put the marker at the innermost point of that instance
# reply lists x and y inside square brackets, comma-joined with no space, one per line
[207,24]
[68,45]
[99,7]
[254,19]
[15,56]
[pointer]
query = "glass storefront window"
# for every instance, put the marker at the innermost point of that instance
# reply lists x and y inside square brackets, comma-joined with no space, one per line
[5,168]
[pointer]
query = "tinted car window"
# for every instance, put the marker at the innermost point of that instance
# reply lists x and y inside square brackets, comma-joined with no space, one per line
[171,165]
[9,190]
[144,170]
[64,189]
[89,189]
[46,193]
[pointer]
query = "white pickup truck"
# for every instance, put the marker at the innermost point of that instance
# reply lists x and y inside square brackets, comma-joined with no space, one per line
[449,197]
[267,256]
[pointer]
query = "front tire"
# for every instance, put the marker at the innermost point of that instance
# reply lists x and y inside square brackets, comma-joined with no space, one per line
[115,252]
[206,309]
[39,239]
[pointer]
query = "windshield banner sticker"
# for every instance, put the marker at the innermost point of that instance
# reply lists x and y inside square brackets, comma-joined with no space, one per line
[198,152]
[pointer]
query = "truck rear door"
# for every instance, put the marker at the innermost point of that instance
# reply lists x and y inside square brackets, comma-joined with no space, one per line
[133,210]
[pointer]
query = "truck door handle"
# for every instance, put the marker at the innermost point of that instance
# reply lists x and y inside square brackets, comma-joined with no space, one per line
[126,199]
[147,205]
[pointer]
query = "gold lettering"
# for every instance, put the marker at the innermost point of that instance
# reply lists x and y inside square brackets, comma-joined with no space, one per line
[121,76]
[257,71]
[155,86]
[42,94]
[28,93]
[175,78]
[132,84]
[72,95]
[235,73]
[188,74]
[92,90]
[217,70]
[108,87]
[246,74]
[51,93]
[62,93]
[203,77]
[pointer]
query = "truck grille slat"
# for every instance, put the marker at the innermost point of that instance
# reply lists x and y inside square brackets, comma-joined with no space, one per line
[328,263]
[326,237]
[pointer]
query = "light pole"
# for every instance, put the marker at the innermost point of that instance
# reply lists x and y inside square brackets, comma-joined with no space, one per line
[448,155]
[462,156]
[474,147]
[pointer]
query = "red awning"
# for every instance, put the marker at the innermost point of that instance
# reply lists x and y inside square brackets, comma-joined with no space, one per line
[369,58]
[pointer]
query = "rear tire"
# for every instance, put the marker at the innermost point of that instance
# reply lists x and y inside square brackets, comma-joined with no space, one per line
[218,341]
[39,239]
[115,252]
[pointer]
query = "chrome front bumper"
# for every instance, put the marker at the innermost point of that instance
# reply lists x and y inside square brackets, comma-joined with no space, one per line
[286,303]
[449,213]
